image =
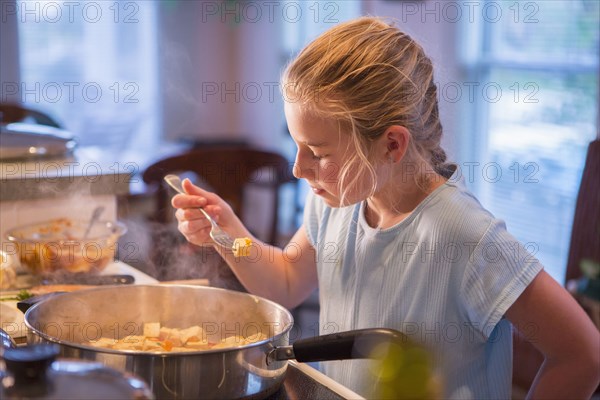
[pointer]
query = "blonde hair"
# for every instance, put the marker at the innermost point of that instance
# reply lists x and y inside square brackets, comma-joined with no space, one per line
[369,75]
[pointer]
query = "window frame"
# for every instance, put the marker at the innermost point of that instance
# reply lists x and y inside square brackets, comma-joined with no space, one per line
[479,62]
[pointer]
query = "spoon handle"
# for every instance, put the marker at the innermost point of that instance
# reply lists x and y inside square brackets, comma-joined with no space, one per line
[95,215]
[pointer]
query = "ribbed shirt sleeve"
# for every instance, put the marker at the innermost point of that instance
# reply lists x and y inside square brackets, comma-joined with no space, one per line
[311,217]
[498,271]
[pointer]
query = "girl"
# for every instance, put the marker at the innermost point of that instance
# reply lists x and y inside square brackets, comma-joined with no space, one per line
[392,238]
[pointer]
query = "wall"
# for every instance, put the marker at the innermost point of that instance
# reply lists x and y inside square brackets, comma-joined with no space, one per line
[219,67]
[435,26]
[9,48]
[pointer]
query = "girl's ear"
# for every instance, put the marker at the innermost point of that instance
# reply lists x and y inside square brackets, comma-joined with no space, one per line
[396,139]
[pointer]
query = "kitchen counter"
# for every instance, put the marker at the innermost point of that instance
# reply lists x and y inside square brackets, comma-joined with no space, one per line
[89,171]
[72,187]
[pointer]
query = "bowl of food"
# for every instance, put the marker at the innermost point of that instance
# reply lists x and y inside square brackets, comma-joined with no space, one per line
[66,245]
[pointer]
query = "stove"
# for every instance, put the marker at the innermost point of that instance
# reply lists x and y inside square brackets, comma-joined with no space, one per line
[304,382]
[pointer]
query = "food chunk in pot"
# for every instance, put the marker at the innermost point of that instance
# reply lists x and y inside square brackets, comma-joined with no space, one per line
[160,339]
[152,329]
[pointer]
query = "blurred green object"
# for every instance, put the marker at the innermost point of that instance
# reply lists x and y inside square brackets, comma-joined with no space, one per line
[589,284]
[404,371]
[590,268]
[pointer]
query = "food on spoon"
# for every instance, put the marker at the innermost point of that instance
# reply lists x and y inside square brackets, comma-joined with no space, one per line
[241,247]
[157,338]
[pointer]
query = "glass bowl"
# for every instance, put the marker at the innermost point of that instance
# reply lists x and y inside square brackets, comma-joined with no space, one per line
[58,245]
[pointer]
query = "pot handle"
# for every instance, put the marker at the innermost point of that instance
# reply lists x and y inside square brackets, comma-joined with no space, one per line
[339,346]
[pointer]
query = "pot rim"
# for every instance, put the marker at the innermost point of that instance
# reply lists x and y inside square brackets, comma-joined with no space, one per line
[160,354]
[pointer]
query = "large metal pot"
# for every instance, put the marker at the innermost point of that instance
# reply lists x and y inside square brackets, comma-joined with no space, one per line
[255,370]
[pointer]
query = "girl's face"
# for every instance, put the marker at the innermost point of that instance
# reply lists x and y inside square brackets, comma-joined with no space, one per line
[322,152]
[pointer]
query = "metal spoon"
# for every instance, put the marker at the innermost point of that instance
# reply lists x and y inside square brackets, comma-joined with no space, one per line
[95,215]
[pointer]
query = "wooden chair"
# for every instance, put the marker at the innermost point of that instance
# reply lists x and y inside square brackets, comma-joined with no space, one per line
[16,113]
[229,171]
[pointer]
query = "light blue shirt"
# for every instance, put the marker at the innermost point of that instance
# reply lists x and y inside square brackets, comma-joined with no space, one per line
[444,276]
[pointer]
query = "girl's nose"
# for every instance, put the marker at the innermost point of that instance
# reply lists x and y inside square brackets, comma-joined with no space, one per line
[303,169]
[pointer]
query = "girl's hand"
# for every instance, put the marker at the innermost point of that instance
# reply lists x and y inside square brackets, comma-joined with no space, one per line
[193,224]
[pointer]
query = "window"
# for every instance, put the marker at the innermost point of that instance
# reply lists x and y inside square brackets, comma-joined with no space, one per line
[535,78]
[92,65]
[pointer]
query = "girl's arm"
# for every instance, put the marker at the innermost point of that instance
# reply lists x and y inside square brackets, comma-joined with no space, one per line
[286,276]
[549,317]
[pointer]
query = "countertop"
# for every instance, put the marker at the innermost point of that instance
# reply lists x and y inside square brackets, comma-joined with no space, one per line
[90,170]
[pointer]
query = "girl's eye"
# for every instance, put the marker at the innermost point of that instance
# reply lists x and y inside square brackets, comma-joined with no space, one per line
[318,157]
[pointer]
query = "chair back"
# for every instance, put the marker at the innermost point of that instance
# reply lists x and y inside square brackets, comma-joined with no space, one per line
[228,171]
[17,113]
[585,234]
